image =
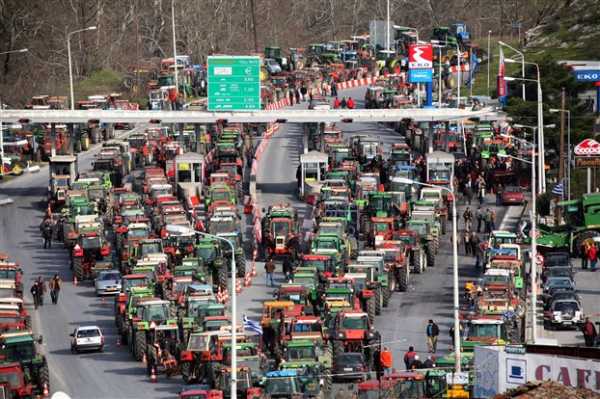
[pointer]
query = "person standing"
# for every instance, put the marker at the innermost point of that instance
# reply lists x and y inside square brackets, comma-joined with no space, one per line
[429,363]
[343,103]
[492,220]
[269,269]
[468,217]
[589,332]
[409,357]
[350,103]
[479,214]
[34,295]
[334,91]
[592,254]
[467,242]
[488,221]
[432,331]
[386,360]
[584,255]
[474,242]
[41,291]
[54,285]
[287,269]
[46,228]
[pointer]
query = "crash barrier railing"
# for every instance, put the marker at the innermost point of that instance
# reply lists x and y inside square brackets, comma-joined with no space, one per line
[355,83]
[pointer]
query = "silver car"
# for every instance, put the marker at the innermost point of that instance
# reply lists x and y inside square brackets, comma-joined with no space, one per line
[108,282]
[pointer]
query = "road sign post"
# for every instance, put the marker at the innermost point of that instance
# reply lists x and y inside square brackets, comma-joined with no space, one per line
[233,83]
[420,64]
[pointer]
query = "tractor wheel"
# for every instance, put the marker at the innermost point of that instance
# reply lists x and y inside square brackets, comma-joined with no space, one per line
[378,301]
[222,277]
[418,262]
[44,377]
[327,382]
[430,255]
[77,268]
[387,294]
[338,348]
[371,309]
[28,322]
[140,345]
[392,286]
[186,369]
[436,244]
[403,283]
[240,264]
[581,238]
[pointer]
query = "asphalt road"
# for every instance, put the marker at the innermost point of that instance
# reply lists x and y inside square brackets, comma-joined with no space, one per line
[112,374]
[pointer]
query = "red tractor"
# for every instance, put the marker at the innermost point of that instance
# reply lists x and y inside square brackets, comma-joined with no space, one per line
[352,331]
[14,377]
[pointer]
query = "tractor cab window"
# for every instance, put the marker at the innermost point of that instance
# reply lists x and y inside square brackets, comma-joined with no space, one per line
[150,248]
[307,352]
[196,343]
[354,323]
[485,330]
[280,228]
[16,353]
[154,312]
[327,244]
[208,253]
[137,233]
[410,389]
[11,378]
[90,242]
[8,274]
[381,227]
[281,385]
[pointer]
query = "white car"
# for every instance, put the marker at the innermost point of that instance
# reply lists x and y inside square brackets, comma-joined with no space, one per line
[108,282]
[87,338]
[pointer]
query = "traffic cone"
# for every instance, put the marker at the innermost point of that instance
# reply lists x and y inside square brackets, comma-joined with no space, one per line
[144,360]
[253,272]
[247,280]
[46,392]
[75,279]
[153,375]
[238,286]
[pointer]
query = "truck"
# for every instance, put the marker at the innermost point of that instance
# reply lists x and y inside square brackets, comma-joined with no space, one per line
[63,172]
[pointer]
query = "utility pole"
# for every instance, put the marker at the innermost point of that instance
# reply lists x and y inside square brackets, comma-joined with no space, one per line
[253,11]
[561,163]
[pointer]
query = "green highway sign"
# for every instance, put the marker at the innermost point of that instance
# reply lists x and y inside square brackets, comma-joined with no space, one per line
[233,83]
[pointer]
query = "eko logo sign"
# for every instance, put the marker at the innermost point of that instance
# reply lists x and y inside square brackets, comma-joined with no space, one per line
[420,56]
[588,75]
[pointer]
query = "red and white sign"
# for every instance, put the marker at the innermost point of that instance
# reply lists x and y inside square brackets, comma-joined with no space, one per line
[587,147]
[420,56]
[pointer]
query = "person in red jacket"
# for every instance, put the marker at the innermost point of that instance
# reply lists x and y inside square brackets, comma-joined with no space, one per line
[336,103]
[350,103]
[409,357]
[592,255]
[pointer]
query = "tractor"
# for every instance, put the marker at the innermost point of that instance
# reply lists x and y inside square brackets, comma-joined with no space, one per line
[280,232]
[14,382]
[147,314]
[125,305]
[92,251]
[63,172]
[427,234]
[353,332]
[20,347]
[227,226]
[211,254]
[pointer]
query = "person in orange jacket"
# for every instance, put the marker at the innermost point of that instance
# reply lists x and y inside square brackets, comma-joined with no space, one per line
[386,360]
[336,103]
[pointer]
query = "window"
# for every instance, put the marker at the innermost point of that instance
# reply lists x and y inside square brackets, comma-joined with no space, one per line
[354,323]
[88,333]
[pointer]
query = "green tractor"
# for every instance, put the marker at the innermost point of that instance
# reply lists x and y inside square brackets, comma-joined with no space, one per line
[124,310]
[331,245]
[428,230]
[381,273]
[146,316]
[209,250]
[20,347]
[303,353]
[416,249]
[228,227]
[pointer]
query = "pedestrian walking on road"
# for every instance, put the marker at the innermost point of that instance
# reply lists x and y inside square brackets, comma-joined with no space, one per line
[589,332]
[385,357]
[432,331]
[34,295]
[488,221]
[468,217]
[474,242]
[41,290]
[409,357]
[287,269]
[479,215]
[467,242]
[269,269]
[343,103]
[46,228]
[54,285]
[492,220]
[592,255]
[584,255]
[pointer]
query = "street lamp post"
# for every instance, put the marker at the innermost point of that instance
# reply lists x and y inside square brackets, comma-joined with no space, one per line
[540,127]
[174,46]
[457,354]
[522,64]
[489,61]
[387,36]
[439,47]
[458,56]
[23,50]
[233,311]
[568,112]
[71,63]
[533,233]
[408,28]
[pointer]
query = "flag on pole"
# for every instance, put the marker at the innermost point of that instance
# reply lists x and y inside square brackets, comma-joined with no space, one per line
[559,189]
[501,83]
[251,325]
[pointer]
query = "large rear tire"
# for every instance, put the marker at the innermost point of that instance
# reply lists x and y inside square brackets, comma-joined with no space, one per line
[371,309]
[404,278]
[430,255]
[140,345]
[387,293]
[378,301]
[240,264]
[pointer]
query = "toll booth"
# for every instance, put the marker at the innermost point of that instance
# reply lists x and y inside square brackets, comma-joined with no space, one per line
[189,178]
[312,164]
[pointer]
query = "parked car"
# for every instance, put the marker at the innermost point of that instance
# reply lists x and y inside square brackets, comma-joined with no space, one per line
[513,195]
[565,313]
[557,271]
[558,284]
[86,338]
[561,296]
[108,282]
[557,258]
[349,366]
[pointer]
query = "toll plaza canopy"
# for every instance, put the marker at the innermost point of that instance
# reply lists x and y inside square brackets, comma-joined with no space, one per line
[281,116]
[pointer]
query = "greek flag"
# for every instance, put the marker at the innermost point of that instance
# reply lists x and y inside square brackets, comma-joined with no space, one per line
[558,189]
[251,325]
